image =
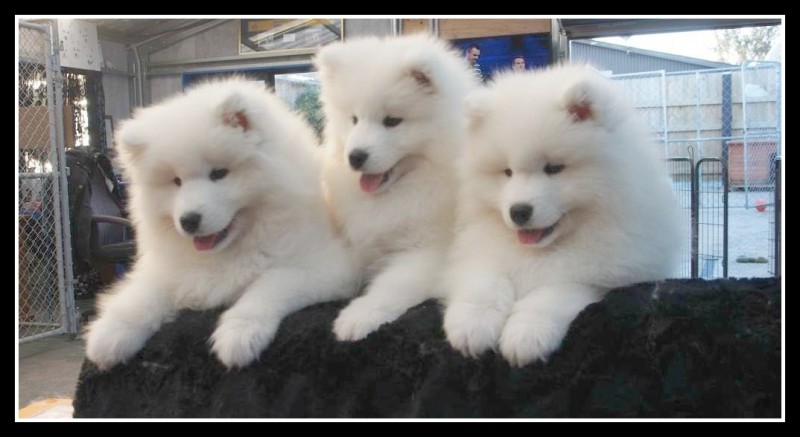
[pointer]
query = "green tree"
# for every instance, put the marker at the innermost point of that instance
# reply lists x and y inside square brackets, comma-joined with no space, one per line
[309,105]
[735,46]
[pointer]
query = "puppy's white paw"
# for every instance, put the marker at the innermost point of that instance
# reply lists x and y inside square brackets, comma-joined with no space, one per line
[238,342]
[530,337]
[109,342]
[359,319]
[472,329]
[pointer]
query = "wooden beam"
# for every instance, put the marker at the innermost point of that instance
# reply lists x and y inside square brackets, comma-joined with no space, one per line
[469,28]
[415,25]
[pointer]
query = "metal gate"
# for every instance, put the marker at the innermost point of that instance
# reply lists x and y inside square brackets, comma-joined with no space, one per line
[728,123]
[710,219]
[46,304]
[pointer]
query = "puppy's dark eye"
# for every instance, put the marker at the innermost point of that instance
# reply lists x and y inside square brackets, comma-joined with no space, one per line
[218,173]
[391,121]
[177,181]
[552,169]
[508,172]
[355,119]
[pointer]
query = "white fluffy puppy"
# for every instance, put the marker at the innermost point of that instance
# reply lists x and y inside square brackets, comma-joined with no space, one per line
[394,128]
[562,199]
[227,205]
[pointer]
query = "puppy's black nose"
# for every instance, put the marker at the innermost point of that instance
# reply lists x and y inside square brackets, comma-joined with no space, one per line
[357,158]
[191,221]
[521,213]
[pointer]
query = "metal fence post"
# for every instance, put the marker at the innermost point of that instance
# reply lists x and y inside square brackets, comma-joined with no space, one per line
[778,193]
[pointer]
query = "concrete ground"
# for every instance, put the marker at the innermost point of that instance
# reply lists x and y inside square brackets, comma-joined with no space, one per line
[49,368]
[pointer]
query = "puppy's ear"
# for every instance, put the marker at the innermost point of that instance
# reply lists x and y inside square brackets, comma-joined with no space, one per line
[418,66]
[580,101]
[233,112]
[475,107]
[591,99]
[422,78]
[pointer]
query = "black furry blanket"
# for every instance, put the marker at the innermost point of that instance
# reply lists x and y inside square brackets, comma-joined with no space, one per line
[691,349]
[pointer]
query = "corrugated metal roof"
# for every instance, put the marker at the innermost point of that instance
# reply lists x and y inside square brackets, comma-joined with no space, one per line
[596,28]
[623,59]
[133,30]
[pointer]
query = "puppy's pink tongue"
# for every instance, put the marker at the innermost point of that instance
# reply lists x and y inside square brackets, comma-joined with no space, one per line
[205,243]
[370,182]
[529,236]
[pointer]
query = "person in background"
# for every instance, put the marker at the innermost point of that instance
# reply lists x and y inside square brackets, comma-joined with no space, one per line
[518,64]
[471,54]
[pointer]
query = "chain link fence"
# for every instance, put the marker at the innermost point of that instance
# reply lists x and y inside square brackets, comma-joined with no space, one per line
[45,296]
[728,119]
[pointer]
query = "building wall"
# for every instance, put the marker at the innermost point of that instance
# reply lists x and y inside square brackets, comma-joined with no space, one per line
[116,81]
[363,27]
[164,86]
[219,41]
[623,62]
[459,28]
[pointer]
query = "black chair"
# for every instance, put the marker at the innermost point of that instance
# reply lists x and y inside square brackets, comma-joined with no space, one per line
[102,236]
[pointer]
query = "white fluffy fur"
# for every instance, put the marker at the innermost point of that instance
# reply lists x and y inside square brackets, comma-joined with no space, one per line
[616,220]
[399,233]
[281,252]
